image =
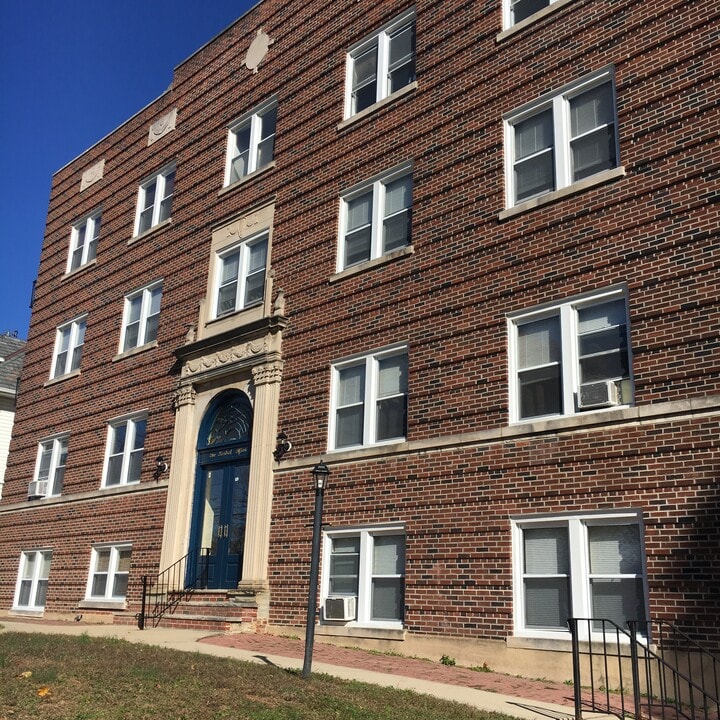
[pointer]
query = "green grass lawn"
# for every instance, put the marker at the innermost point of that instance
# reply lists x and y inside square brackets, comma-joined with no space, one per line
[60,677]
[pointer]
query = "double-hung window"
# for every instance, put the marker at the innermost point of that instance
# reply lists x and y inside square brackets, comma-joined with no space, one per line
[570,357]
[369,400]
[69,341]
[375,218]
[518,10]
[32,582]
[240,275]
[251,143]
[381,65]
[125,445]
[83,242]
[366,568]
[561,138]
[109,571]
[585,566]
[50,467]
[140,320]
[155,200]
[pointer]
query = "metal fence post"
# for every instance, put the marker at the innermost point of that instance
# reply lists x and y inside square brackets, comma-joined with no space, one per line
[577,690]
[634,666]
[141,619]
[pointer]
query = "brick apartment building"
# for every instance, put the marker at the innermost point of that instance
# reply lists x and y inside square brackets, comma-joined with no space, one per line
[465,253]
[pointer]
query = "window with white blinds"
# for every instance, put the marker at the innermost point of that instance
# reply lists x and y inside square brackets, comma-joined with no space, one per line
[369,400]
[375,218]
[561,138]
[559,350]
[546,577]
[578,566]
[368,565]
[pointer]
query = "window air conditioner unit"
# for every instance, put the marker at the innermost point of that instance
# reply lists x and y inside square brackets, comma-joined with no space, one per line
[598,394]
[340,608]
[37,488]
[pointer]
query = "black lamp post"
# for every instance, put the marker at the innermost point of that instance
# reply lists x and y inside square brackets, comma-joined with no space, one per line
[320,475]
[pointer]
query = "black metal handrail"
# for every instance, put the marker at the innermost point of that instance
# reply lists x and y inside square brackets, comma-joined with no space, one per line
[665,672]
[164,591]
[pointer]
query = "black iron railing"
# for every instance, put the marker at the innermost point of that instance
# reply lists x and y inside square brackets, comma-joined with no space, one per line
[162,592]
[647,670]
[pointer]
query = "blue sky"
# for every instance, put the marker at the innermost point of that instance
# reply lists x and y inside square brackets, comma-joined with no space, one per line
[71,71]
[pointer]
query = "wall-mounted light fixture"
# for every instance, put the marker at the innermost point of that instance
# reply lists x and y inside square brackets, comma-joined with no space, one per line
[282,446]
[160,466]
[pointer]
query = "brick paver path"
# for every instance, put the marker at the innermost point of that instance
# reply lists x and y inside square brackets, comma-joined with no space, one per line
[545,691]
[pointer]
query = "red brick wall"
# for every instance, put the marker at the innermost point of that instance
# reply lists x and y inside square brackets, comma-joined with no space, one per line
[457,505]
[654,229]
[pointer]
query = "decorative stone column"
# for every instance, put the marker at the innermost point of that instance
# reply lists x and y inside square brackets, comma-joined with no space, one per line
[266,379]
[181,482]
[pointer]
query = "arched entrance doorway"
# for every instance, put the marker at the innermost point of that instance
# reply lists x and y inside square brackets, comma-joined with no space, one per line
[221,489]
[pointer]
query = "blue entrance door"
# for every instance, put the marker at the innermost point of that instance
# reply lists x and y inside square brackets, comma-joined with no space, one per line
[223,522]
[221,491]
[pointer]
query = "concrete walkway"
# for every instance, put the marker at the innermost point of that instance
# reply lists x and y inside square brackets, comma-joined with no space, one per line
[489,691]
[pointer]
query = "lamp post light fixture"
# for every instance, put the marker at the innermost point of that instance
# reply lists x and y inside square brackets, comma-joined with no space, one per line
[320,475]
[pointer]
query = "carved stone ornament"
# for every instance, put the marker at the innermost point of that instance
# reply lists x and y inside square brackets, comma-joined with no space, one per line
[265,374]
[257,51]
[162,126]
[92,175]
[224,357]
[235,230]
[279,306]
[184,395]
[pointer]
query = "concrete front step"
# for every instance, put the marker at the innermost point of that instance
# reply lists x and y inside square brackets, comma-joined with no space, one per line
[203,610]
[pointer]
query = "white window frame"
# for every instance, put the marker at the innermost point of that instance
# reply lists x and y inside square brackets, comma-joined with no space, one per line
[83,241]
[130,424]
[112,572]
[509,16]
[365,573]
[558,103]
[377,186]
[58,449]
[144,320]
[370,363]
[580,598]
[37,577]
[242,249]
[566,311]
[381,39]
[161,199]
[254,121]
[74,330]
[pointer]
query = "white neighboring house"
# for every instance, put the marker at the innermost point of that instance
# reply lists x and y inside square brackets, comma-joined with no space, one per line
[12,351]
